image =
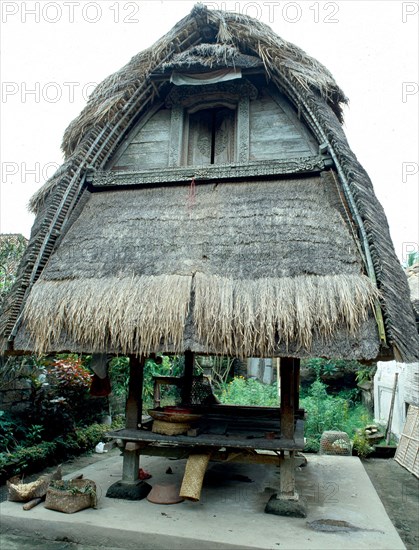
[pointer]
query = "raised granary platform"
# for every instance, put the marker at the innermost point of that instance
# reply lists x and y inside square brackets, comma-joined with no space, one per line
[230,513]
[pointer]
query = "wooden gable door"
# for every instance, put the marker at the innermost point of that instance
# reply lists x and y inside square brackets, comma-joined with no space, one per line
[211,137]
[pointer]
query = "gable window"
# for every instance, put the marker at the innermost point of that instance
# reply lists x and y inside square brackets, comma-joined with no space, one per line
[210,136]
[210,123]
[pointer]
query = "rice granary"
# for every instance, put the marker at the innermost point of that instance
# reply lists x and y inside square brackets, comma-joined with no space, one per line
[209,204]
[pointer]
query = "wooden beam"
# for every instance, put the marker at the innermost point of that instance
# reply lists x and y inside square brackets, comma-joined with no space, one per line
[135,392]
[287,369]
[296,386]
[187,377]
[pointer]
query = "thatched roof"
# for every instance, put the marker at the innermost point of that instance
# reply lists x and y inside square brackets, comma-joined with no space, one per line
[209,56]
[92,279]
[154,300]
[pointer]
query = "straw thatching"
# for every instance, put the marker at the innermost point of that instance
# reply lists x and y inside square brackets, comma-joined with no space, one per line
[209,56]
[247,295]
[328,264]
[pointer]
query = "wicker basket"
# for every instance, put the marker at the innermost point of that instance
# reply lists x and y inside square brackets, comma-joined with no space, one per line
[23,492]
[71,496]
[335,443]
[169,428]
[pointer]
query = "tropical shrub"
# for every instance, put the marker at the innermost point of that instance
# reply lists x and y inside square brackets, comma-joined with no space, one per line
[248,391]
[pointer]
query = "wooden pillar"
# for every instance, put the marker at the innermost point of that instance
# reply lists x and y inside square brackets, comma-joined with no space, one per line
[131,487]
[296,385]
[187,377]
[287,476]
[286,502]
[134,403]
[131,463]
[287,397]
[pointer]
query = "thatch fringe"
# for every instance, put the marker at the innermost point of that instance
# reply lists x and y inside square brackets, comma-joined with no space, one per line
[247,317]
[234,317]
[137,313]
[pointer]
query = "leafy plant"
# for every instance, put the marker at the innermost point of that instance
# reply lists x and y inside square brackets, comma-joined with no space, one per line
[412,258]
[220,370]
[12,248]
[30,458]
[324,412]
[11,430]
[242,391]
[68,485]
[361,444]
[366,373]
[61,398]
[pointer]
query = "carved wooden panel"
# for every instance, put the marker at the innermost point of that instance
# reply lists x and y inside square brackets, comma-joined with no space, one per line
[176,134]
[224,142]
[211,172]
[211,137]
[243,129]
[199,138]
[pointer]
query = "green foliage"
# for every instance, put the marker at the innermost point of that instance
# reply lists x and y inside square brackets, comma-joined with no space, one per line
[221,367]
[365,373]
[68,486]
[11,250]
[412,258]
[361,444]
[25,458]
[162,365]
[29,458]
[119,375]
[242,391]
[62,401]
[323,412]
[11,431]
[326,412]
[329,367]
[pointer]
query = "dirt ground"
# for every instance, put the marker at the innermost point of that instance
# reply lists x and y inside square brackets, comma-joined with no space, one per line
[397,488]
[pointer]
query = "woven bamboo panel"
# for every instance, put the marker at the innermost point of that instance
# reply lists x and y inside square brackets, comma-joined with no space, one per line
[407,454]
[194,476]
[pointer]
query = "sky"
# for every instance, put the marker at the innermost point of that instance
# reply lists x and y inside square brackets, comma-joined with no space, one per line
[53,53]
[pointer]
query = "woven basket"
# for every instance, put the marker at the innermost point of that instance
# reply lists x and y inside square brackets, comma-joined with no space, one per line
[194,476]
[335,443]
[23,492]
[71,496]
[169,428]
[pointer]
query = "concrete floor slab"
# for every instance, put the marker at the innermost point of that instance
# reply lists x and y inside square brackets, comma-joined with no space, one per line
[229,515]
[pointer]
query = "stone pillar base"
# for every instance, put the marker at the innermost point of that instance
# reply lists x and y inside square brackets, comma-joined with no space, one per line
[286,507]
[129,491]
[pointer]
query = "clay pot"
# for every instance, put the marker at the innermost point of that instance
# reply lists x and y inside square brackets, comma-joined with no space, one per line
[164,494]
